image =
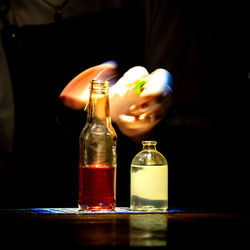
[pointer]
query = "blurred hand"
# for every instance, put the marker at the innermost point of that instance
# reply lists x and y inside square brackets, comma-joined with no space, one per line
[138,100]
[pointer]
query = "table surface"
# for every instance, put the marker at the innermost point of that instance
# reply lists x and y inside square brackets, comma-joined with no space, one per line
[122,229]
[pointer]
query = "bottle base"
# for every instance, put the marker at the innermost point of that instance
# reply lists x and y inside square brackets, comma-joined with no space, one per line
[95,208]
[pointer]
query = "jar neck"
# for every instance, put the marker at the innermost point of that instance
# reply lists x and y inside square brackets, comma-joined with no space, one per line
[149,147]
[98,108]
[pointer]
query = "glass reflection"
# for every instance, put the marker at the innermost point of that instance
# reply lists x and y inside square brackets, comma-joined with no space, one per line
[148,230]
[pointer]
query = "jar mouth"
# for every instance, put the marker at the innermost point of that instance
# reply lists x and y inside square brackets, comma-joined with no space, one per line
[149,143]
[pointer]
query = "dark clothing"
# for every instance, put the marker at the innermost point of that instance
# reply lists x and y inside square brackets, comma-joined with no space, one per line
[46,57]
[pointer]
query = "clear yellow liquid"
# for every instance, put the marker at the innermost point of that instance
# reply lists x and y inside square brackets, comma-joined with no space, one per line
[149,188]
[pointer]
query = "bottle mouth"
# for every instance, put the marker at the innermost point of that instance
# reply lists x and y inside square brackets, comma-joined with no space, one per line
[99,84]
[149,143]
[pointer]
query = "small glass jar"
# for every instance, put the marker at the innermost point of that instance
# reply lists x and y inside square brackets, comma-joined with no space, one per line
[149,180]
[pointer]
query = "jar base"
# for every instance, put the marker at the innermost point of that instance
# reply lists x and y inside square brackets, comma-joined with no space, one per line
[148,209]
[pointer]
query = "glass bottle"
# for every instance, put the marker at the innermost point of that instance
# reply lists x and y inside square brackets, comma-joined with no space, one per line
[97,163]
[149,180]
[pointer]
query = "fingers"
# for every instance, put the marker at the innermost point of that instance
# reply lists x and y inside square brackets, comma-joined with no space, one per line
[146,115]
[131,127]
[76,94]
[144,107]
[140,121]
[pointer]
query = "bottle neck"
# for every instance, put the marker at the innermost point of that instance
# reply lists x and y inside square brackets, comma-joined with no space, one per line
[98,108]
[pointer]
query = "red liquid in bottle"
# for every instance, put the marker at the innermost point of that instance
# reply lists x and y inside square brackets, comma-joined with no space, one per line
[96,187]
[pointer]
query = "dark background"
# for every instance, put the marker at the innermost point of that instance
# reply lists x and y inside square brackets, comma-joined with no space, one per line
[203,136]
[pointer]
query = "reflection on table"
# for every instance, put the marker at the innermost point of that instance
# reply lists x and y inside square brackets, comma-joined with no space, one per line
[122,229]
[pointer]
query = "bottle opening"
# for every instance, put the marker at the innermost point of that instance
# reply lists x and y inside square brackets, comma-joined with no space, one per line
[149,143]
[99,84]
